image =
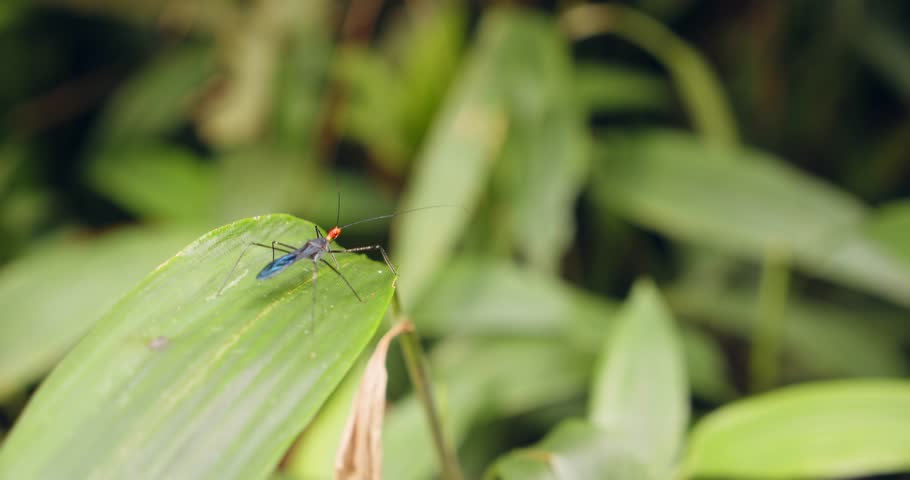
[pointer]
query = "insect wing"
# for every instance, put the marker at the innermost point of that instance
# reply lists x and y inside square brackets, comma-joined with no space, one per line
[276,266]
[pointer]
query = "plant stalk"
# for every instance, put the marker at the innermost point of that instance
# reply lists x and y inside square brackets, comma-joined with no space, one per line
[415,359]
[767,331]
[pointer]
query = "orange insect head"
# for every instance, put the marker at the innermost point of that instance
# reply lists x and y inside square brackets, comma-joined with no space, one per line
[333,233]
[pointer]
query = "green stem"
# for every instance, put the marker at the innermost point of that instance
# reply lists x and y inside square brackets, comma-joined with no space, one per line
[768,328]
[415,359]
[699,88]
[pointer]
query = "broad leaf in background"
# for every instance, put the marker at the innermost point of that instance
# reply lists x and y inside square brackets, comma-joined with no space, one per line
[53,296]
[576,450]
[176,381]
[157,181]
[389,102]
[834,429]
[886,49]
[615,89]
[158,98]
[706,366]
[302,79]
[480,381]
[256,181]
[890,226]
[491,297]
[24,206]
[545,159]
[815,335]
[696,192]
[453,166]
[639,396]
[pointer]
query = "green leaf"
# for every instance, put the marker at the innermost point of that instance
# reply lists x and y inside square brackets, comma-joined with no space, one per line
[487,297]
[157,181]
[890,226]
[885,48]
[176,381]
[639,393]
[490,297]
[10,13]
[52,296]
[301,80]
[158,98]
[478,381]
[696,192]
[453,166]
[537,82]
[611,88]
[253,181]
[575,450]
[372,110]
[706,367]
[820,339]
[699,88]
[392,96]
[824,430]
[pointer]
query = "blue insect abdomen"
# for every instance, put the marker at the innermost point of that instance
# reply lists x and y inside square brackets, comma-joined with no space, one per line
[277,266]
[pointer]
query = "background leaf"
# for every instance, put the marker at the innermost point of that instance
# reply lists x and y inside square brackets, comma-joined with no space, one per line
[545,124]
[88,275]
[890,226]
[672,182]
[489,297]
[158,181]
[824,430]
[478,381]
[453,166]
[611,88]
[815,334]
[639,395]
[158,98]
[575,450]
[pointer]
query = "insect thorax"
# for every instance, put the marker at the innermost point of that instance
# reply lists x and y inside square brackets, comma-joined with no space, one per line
[314,249]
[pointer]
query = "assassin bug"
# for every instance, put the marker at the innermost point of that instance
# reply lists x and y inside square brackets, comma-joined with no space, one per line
[315,249]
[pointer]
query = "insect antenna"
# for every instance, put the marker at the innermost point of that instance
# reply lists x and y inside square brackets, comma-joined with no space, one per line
[401,212]
[338,210]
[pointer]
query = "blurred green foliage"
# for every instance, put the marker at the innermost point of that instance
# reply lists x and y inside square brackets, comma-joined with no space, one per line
[751,158]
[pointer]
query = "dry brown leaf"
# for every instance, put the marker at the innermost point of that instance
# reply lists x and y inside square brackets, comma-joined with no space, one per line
[360,454]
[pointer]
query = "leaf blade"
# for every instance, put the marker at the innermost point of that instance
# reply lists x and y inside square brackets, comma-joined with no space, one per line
[222,396]
[693,191]
[575,450]
[825,430]
[640,394]
[80,277]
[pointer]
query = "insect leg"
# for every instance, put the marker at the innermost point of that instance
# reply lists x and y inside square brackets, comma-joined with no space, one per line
[289,247]
[345,279]
[335,259]
[313,305]
[385,256]
[234,267]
